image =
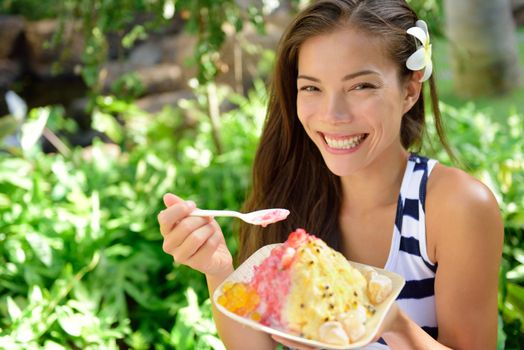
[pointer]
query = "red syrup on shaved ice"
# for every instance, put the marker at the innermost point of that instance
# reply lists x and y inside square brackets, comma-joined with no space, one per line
[308,289]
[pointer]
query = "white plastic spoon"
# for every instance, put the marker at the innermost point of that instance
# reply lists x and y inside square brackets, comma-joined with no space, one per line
[260,217]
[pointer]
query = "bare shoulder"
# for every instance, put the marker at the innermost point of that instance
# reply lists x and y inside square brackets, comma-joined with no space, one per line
[460,210]
[448,185]
[465,233]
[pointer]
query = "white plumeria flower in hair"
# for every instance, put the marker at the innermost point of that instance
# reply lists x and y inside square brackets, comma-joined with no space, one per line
[421,59]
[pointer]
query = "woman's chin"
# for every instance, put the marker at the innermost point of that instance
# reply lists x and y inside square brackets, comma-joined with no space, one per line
[339,169]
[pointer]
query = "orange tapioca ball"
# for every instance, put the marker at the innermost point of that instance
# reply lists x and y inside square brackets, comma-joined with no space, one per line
[239,298]
[222,300]
[229,298]
[251,303]
[250,299]
[227,286]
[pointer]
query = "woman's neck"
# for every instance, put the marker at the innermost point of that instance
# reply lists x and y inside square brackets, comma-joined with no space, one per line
[376,186]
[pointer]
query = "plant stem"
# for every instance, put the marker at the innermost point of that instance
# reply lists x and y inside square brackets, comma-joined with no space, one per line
[214,115]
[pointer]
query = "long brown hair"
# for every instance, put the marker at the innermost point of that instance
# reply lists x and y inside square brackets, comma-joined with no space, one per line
[288,170]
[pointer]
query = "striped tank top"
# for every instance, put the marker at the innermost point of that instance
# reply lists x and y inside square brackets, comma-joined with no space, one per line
[408,254]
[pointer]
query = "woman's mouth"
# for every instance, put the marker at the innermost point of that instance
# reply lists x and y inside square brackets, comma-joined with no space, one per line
[344,142]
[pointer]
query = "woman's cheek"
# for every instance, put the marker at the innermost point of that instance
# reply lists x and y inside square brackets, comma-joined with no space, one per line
[305,108]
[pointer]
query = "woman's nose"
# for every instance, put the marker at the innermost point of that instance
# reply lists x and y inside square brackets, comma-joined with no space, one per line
[336,108]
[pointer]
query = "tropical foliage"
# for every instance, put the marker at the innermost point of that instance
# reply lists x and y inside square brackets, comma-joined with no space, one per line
[81,256]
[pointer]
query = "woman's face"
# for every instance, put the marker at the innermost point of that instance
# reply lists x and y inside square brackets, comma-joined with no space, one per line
[350,100]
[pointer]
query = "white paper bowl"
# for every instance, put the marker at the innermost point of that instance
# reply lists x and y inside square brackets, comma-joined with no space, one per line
[244,273]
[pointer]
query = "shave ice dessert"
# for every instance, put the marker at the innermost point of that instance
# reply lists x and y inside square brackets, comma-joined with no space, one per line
[308,289]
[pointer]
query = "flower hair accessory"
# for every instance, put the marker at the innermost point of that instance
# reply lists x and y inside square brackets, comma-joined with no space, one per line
[421,59]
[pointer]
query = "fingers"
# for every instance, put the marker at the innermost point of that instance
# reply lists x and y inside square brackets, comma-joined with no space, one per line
[390,321]
[213,256]
[170,199]
[185,241]
[174,214]
[183,234]
[193,241]
[208,247]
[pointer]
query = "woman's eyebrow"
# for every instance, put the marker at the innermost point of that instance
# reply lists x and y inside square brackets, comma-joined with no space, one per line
[308,78]
[345,78]
[359,73]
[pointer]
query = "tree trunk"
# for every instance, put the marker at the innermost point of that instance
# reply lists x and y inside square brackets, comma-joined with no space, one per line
[483,47]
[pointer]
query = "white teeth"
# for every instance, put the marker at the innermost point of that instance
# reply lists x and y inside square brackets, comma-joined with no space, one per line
[345,143]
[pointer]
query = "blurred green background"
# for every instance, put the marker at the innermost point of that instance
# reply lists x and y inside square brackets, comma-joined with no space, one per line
[113,103]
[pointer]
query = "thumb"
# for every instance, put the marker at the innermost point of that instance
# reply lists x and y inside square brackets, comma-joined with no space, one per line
[170,199]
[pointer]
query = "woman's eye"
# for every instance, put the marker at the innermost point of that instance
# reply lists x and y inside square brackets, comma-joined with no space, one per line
[363,86]
[308,88]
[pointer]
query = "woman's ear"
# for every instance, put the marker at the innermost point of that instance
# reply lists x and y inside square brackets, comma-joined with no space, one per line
[412,90]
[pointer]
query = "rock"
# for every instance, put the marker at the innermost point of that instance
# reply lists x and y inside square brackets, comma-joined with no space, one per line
[161,78]
[111,71]
[179,49]
[11,27]
[155,103]
[9,72]
[154,79]
[67,54]
[146,54]
[240,79]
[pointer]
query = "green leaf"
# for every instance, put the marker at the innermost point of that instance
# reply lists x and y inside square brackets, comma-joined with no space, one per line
[137,33]
[518,254]
[16,251]
[107,124]
[16,171]
[8,343]
[12,309]
[35,295]
[32,130]
[8,125]
[516,274]
[51,345]
[70,322]
[212,341]
[501,337]
[516,295]
[24,333]
[138,341]
[41,247]
[118,249]
[5,200]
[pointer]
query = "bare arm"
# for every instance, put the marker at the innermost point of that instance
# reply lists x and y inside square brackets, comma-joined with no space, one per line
[464,222]
[470,239]
[199,243]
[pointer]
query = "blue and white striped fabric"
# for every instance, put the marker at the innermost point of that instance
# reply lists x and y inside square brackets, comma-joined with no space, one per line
[408,254]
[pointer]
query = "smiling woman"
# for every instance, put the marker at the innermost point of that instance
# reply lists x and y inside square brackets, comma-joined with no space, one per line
[352,107]
[345,118]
